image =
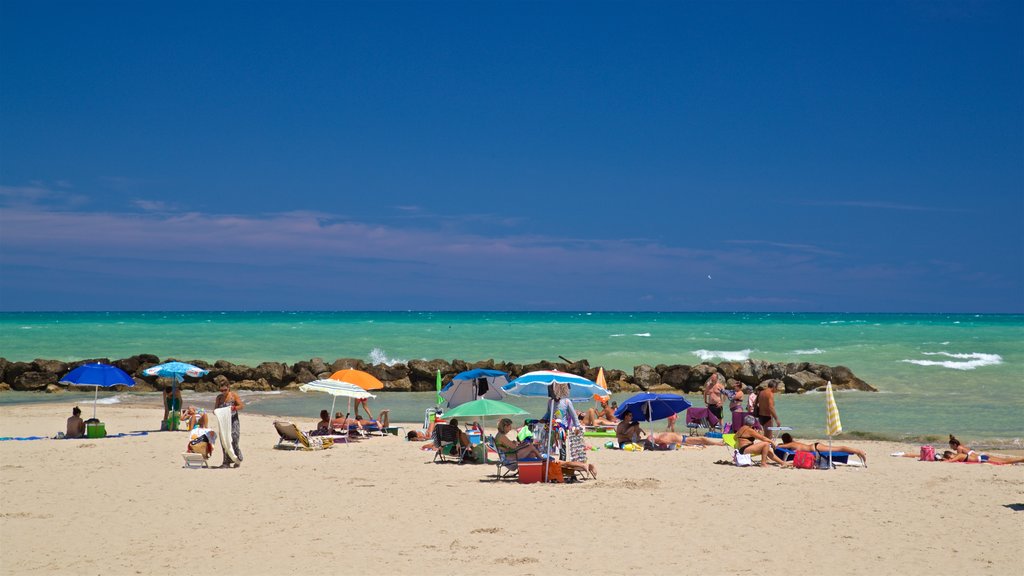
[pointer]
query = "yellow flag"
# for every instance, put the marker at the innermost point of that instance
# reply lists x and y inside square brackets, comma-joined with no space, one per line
[832,426]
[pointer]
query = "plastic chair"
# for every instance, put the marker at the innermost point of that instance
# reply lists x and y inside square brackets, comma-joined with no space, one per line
[700,418]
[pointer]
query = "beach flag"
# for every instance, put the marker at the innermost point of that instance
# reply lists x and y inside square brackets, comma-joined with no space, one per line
[440,399]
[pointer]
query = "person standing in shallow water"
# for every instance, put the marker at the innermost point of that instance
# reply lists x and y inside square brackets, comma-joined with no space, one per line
[231,399]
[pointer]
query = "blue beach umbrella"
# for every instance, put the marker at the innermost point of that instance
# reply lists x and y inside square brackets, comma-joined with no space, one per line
[537,384]
[97,375]
[648,407]
[473,384]
[175,370]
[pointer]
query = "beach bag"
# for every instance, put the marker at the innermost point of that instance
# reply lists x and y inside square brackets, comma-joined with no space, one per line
[555,472]
[928,453]
[821,461]
[741,459]
[803,460]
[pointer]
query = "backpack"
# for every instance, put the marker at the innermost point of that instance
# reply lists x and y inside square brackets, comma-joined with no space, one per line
[928,453]
[804,460]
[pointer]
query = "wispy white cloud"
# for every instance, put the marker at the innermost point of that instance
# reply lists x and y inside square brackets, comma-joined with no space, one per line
[792,247]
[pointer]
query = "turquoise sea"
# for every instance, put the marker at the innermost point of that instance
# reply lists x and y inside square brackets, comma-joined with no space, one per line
[937,373]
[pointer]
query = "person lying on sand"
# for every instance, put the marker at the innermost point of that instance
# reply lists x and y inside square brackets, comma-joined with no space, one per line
[527,450]
[950,456]
[958,452]
[790,444]
[750,441]
[670,440]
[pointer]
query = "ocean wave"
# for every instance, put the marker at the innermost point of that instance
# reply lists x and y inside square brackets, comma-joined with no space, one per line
[811,351]
[960,361]
[109,400]
[727,355]
[377,356]
[640,334]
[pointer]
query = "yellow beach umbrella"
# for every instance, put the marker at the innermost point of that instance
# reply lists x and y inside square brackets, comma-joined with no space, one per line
[833,425]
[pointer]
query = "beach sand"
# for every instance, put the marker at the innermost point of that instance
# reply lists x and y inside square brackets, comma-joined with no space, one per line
[379,506]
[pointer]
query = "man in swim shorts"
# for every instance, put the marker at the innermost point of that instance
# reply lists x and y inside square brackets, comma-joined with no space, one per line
[764,407]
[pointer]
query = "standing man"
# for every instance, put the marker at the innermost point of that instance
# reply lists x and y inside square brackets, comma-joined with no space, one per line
[229,398]
[713,389]
[764,407]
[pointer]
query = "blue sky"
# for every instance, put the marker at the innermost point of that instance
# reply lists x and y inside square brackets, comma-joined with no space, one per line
[813,156]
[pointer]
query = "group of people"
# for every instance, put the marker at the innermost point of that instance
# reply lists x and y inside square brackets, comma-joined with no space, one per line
[343,423]
[959,453]
[760,401]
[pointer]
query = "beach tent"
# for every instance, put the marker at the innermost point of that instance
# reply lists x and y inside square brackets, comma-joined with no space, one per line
[473,384]
[336,388]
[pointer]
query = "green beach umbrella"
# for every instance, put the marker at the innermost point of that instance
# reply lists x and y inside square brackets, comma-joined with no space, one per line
[483,408]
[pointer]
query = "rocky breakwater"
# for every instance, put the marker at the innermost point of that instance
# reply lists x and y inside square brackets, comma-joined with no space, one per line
[420,375]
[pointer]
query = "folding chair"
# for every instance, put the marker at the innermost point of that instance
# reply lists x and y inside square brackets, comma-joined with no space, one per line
[446,444]
[699,418]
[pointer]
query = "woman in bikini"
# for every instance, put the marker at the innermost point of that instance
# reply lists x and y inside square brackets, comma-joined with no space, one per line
[961,453]
[750,441]
[527,450]
[790,444]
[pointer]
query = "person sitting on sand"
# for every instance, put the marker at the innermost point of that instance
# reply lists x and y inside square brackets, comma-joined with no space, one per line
[628,431]
[196,417]
[750,441]
[421,434]
[527,450]
[324,425]
[961,453]
[594,418]
[76,426]
[671,440]
[790,444]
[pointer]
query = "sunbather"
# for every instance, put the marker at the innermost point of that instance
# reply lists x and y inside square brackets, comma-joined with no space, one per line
[670,440]
[594,418]
[628,431]
[950,456]
[76,426]
[961,453]
[790,444]
[195,417]
[527,450]
[324,425]
[750,441]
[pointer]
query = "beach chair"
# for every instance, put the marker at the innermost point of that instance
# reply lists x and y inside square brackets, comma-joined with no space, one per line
[446,444]
[737,421]
[291,438]
[199,448]
[698,419]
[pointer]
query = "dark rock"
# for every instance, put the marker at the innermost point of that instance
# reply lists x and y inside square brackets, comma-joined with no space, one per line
[273,373]
[675,376]
[33,381]
[802,381]
[53,389]
[400,385]
[55,367]
[317,366]
[304,377]
[729,369]
[645,376]
[346,363]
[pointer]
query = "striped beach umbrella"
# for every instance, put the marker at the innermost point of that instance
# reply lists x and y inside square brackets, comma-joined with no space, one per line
[833,425]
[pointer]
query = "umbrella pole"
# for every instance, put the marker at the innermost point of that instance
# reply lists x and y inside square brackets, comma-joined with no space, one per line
[95,398]
[551,421]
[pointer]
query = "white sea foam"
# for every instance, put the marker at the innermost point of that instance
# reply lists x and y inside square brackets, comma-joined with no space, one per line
[109,400]
[727,355]
[811,351]
[377,356]
[960,361]
[643,334]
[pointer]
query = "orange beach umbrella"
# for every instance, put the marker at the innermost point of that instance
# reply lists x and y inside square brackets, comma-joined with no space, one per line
[359,378]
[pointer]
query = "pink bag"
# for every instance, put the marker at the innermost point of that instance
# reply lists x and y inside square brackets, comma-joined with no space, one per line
[803,460]
[927,453]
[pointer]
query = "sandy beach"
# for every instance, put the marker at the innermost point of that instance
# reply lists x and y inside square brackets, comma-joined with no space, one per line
[127,506]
